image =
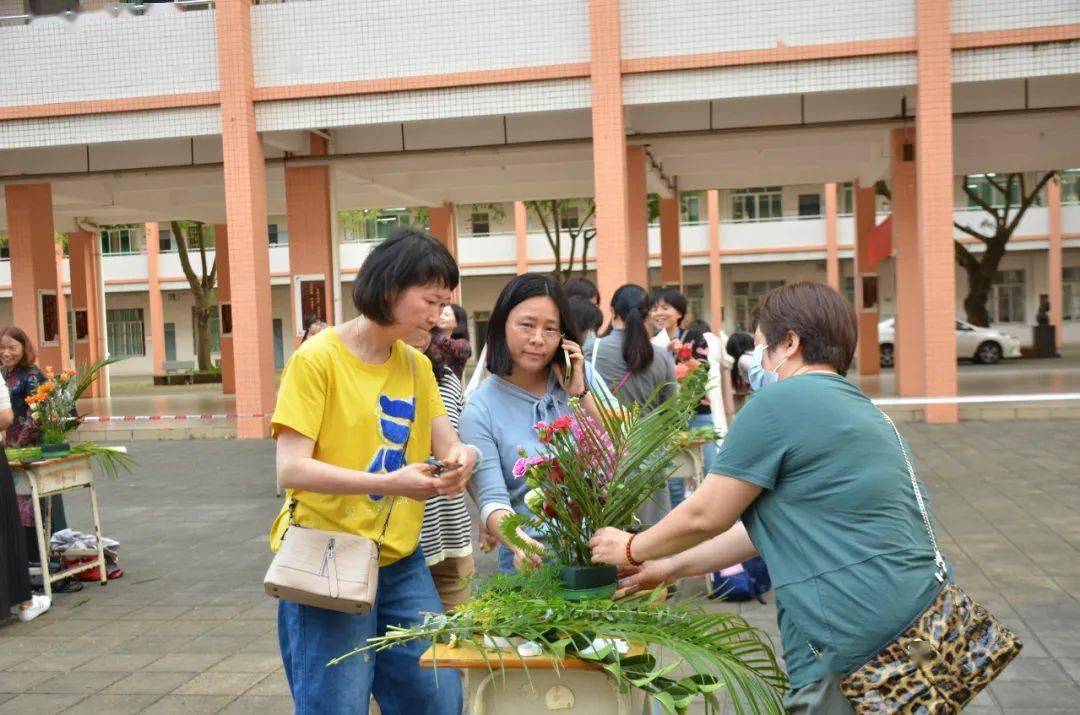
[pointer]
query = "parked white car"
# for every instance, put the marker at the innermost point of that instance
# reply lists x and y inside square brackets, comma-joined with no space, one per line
[982,345]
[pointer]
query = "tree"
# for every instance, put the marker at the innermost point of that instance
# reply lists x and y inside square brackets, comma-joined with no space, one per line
[202,284]
[998,228]
[551,213]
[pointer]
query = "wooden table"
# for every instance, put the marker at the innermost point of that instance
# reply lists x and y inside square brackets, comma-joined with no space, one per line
[42,480]
[533,686]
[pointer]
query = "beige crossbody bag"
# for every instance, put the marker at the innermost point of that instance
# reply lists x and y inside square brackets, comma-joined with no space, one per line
[334,570]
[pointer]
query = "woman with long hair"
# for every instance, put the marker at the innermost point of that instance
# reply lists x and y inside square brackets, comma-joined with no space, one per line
[530,339]
[358,414]
[587,319]
[740,348]
[453,338]
[636,371]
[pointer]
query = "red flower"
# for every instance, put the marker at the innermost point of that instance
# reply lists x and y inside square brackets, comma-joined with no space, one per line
[685,353]
[562,424]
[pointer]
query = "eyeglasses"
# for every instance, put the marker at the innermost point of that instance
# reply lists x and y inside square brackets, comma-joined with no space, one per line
[528,330]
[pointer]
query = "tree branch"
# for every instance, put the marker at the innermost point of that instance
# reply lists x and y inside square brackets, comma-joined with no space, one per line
[965,258]
[979,201]
[185,261]
[1027,200]
[972,232]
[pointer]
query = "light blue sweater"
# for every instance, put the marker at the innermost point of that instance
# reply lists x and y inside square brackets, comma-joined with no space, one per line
[498,418]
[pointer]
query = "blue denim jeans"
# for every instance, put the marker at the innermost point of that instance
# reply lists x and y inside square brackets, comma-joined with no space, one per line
[310,637]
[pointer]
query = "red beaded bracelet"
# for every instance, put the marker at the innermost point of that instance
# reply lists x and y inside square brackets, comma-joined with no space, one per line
[630,557]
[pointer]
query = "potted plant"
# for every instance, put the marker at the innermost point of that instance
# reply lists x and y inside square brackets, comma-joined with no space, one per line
[592,473]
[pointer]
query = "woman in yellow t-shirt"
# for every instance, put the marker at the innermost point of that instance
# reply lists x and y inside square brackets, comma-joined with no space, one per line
[357,414]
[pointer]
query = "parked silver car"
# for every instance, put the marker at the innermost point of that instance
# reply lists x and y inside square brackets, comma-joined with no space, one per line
[981,345]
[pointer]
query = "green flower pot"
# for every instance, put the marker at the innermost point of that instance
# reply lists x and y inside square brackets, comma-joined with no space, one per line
[55,451]
[580,583]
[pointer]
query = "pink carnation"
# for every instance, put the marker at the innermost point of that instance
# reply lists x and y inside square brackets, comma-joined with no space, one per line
[520,466]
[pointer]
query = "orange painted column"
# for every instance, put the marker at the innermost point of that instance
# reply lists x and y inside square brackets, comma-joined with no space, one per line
[35,282]
[521,237]
[442,222]
[1054,262]
[832,253]
[934,192]
[609,148]
[157,303]
[62,309]
[224,301]
[866,306]
[245,211]
[84,303]
[637,217]
[311,244]
[716,288]
[909,335]
[671,270]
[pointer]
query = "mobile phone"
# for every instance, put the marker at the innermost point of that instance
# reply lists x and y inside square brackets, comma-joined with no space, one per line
[568,368]
[438,464]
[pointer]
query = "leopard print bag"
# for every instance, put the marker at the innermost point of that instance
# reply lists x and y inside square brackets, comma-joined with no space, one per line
[943,659]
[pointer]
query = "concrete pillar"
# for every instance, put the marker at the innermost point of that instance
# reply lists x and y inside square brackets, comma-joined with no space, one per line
[224,301]
[866,306]
[909,334]
[521,237]
[1054,264]
[245,210]
[157,303]
[934,192]
[716,288]
[311,244]
[85,273]
[609,147]
[35,282]
[62,309]
[442,222]
[832,253]
[637,217]
[671,270]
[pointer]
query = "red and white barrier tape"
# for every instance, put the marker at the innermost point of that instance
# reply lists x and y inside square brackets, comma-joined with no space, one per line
[879,401]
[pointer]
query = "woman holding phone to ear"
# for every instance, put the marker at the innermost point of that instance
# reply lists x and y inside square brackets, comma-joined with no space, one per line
[531,339]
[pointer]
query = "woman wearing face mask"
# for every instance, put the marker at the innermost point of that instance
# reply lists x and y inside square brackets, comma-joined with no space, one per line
[817,474]
[529,333]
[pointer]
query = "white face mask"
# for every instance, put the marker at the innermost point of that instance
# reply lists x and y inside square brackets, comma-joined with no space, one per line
[757,375]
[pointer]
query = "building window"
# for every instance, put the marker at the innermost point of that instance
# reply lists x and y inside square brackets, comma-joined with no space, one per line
[124,331]
[117,240]
[480,320]
[746,298]
[1008,297]
[809,204]
[981,186]
[276,235]
[695,303]
[569,219]
[847,198]
[692,208]
[849,288]
[1071,285]
[481,223]
[757,203]
[1070,186]
[165,243]
[215,331]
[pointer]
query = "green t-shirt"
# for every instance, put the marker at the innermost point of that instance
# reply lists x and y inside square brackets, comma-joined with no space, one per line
[837,522]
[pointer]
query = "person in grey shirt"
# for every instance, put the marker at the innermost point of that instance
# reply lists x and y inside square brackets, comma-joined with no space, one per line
[636,372]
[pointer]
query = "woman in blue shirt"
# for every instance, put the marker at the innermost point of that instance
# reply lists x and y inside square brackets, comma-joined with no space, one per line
[817,474]
[528,331]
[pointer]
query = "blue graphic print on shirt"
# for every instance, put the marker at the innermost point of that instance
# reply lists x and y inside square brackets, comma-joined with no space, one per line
[395,424]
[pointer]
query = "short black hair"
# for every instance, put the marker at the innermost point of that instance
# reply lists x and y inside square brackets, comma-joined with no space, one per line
[461,331]
[674,298]
[583,287]
[517,291]
[408,257]
[587,317]
[824,320]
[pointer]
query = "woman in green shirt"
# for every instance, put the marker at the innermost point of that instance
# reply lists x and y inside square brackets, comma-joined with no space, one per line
[816,474]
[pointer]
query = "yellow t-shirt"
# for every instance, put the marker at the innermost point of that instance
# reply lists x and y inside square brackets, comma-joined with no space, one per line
[359,416]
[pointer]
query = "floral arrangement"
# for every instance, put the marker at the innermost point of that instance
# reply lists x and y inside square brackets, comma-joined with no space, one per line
[593,473]
[731,664]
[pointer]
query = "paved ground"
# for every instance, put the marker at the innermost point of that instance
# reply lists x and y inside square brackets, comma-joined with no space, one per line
[189,630]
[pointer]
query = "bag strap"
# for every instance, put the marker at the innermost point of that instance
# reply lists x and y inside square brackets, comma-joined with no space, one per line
[939,560]
[622,381]
[392,500]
